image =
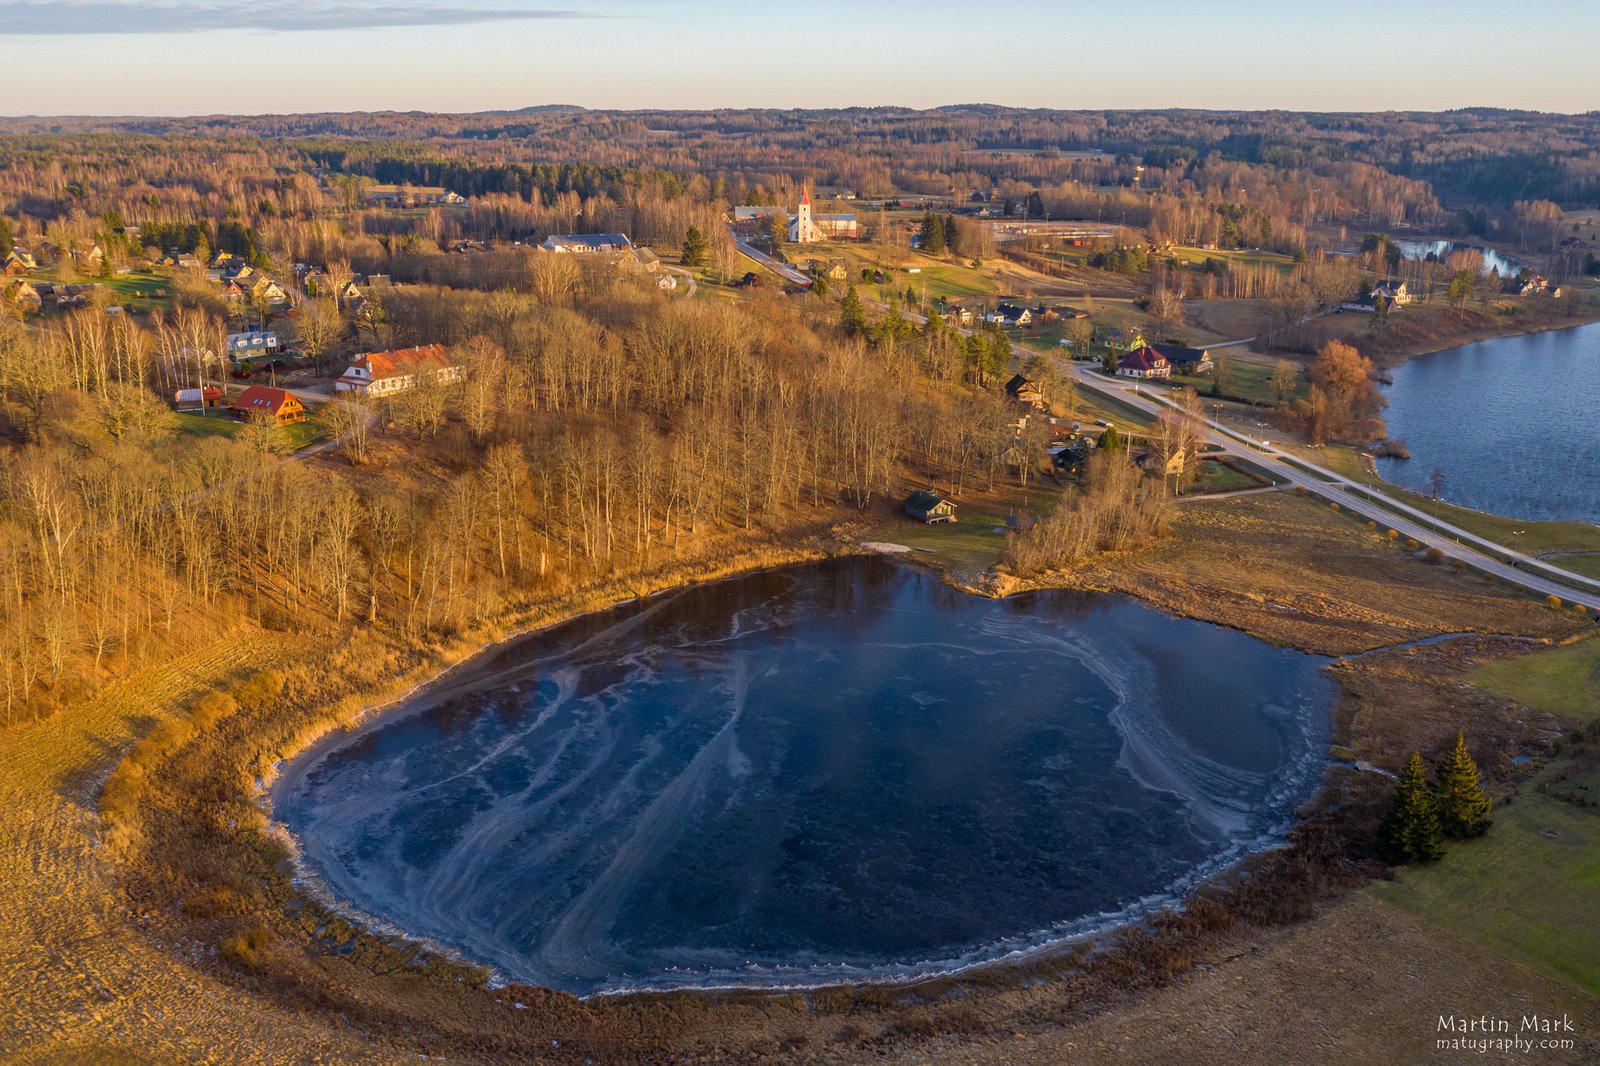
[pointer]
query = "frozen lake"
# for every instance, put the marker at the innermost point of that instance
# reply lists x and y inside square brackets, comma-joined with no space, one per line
[827,773]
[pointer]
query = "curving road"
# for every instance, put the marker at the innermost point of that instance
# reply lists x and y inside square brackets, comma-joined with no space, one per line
[1505,563]
[783,270]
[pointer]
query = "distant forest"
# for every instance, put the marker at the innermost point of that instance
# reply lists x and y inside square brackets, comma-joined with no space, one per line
[1476,157]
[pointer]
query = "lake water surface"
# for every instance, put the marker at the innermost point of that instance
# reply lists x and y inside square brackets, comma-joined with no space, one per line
[1514,422]
[1492,260]
[833,772]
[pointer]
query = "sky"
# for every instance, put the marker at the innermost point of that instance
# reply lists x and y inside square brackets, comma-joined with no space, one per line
[186,57]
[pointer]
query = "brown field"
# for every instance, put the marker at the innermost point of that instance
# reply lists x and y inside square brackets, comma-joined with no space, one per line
[110,956]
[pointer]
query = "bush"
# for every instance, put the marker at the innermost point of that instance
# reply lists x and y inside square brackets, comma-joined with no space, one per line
[1411,542]
[1554,601]
[247,947]
[1435,555]
[1394,534]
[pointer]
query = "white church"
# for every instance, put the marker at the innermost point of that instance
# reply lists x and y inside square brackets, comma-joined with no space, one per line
[807,228]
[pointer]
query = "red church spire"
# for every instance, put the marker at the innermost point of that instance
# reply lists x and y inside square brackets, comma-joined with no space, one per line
[805,195]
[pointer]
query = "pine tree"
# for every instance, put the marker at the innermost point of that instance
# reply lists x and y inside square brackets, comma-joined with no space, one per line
[932,234]
[1463,808]
[1112,442]
[1410,831]
[694,247]
[852,317]
[952,239]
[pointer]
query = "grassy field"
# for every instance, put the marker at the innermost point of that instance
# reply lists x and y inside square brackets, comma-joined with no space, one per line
[1232,257]
[1215,476]
[290,438]
[1564,681]
[1527,889]
[968,546]
[1249,380]
[141,292]
[1094,405]
[1586,565]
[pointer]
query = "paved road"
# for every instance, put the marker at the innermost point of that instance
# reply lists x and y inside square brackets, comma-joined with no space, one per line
[783,270]
[1479,552]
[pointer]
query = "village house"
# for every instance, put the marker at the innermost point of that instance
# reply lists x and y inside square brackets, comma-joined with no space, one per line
[19,262]
[24,295]
[930,508]
[830,268]
[1395,292]
[1144,362]
[587,242]
[1149,461]
[1010,316]
[1186,360]
[386,373]
[252,343]
[88,257]
[1023,391]
[667,282]
[260,403]
[74,295]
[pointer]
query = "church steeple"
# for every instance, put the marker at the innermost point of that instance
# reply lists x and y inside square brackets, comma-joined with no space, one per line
[804,231]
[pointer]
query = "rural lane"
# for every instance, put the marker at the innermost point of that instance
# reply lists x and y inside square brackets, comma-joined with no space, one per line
[1481,553]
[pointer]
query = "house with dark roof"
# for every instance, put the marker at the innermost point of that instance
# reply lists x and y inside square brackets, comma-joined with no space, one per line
[1185,360]
[1010,316]
[930,508]
[1024,391]
[1144,362]
[252,343]
[587,242]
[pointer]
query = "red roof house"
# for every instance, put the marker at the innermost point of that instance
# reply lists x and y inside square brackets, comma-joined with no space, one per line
[262,402]
[1144,362]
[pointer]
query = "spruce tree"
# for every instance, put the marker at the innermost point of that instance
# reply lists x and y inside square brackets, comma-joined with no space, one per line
[694,247]
[1410,831]
[1463,808]
[852,317]
[932,234]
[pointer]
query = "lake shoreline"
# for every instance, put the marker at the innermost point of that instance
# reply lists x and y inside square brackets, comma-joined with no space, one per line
[1390,360]
[1024,948]
[1470,408]
[321,964]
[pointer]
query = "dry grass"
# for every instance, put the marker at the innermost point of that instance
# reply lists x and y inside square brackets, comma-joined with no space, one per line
[1289,570]
[199,945]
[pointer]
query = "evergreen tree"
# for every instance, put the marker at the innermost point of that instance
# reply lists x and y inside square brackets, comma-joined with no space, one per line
[932,234]
[952,240]
[1410,831]
[1463,808]
[695,247]
[1035,205]
[6,240]
[1112,442]
[852,318]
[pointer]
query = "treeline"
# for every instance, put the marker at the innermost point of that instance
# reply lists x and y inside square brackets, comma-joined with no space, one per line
[595,435]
